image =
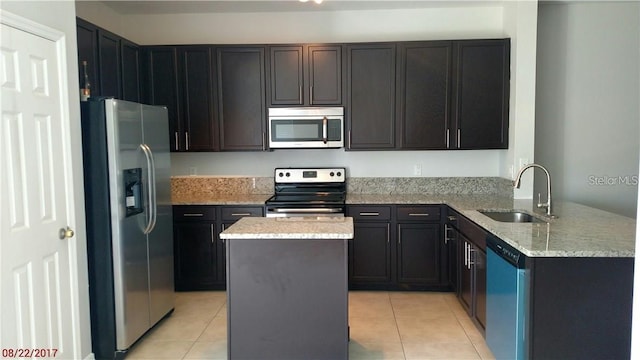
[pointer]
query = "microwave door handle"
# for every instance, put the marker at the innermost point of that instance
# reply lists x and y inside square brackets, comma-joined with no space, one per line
[324,129]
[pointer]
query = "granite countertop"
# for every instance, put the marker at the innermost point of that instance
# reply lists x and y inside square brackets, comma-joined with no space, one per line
[290,228]
[578,230]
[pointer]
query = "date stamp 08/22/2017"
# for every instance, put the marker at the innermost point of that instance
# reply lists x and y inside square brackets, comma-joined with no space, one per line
[34,353]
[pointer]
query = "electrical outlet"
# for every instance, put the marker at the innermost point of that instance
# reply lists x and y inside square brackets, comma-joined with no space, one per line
[417,169]
[193,170]
[254,182]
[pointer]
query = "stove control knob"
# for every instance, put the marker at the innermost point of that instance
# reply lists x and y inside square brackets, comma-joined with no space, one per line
[339,173]
[331,174]
[280,174]
[288,174]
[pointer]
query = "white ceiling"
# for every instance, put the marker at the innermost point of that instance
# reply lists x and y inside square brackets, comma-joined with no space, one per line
[195,7]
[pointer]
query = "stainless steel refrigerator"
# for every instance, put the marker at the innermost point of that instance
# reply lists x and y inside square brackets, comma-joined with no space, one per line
[129,221]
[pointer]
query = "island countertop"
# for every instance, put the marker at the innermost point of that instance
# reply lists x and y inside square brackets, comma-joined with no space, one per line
[290,228]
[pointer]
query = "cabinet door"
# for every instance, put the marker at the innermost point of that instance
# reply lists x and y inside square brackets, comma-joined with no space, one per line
[371,80]
[419,253]
[480,293]
[241,98]
[195,255]
[196,77]
[481,110]
[130,70]
[286,63]
[161,88]
[423,99]
[465,273]
[87,34]
[450,267]
[370,254]
[325,75]
[109,63]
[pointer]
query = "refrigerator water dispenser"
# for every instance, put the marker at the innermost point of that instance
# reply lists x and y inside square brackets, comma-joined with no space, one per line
[133,191]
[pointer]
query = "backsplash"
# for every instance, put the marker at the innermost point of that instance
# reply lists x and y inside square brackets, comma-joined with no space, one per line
[431,185]
[183,185]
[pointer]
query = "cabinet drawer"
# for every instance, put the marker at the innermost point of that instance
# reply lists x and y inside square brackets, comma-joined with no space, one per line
[194,213]
[418,213]
[374,213]
[236,212]
[473,232]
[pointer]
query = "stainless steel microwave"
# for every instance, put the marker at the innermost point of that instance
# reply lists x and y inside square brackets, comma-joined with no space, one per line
[306,127]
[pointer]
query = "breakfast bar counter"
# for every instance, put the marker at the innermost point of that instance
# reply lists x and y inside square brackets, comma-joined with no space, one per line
[287,288]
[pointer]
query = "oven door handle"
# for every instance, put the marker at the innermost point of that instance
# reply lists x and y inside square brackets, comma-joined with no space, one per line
[324,129]
[301,211]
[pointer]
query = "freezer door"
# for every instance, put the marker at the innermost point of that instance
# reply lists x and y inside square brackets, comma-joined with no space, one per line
[156,138]
[130,211]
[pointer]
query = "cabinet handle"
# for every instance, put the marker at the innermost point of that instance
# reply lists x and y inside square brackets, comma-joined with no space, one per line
[458,138]
[193,214]
[452,218]
[471,255]
[369,214]
[186,141]
[446,234]
[213,238]
[447,137]
[240,214]
[300,100]
[311,95]
[176,137]
[349,140]
[418,214]
[264,141]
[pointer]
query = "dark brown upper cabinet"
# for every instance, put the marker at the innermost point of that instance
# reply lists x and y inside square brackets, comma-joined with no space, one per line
[113,62]
[109,64]
[241,97]
[371,92]
[481,103]
[305,75]
[181,78]
[196,66]
[424,86]
[160,87]
[87,36]
[130,65]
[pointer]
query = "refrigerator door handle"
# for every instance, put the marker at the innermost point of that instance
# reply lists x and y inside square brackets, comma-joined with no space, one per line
[151,186]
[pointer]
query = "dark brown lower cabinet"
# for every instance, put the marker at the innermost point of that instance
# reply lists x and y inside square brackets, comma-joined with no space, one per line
[418,254]
[472,267]
[199,253]
[396,248]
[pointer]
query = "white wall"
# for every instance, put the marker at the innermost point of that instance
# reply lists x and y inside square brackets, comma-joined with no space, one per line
[358,163]
[459,21]
[60,15]
[588,119]
[520,24]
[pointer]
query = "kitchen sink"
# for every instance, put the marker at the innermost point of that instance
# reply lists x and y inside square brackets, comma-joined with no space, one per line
[513,216]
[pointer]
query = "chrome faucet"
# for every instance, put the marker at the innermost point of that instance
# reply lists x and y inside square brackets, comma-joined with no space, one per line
[547,205]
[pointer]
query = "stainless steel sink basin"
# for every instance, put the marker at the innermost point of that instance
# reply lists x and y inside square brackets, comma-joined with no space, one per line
[511,216]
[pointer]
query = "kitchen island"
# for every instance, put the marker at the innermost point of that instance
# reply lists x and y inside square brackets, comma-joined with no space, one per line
[287,289]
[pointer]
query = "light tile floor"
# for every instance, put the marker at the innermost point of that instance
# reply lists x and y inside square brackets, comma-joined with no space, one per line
[384,325]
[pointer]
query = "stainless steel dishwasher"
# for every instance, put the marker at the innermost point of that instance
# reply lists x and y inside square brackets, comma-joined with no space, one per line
[507,282]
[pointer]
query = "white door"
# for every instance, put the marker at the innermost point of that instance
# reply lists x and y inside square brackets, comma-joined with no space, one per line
[36,258]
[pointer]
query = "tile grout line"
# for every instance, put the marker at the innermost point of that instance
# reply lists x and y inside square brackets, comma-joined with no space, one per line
[475,348]
[203,331]
[395,320]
